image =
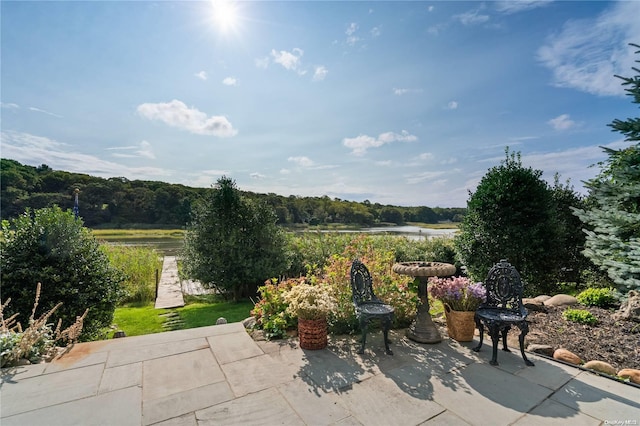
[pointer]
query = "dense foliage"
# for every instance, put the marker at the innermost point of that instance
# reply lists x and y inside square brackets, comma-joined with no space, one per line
[613,218]
[514,215]
[50,246]
[233,243]
[139,266]
[120,202]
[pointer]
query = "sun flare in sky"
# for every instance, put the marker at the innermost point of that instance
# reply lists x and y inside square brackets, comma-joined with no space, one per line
[225,15]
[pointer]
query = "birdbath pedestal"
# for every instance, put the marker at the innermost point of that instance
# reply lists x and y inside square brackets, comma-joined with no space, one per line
[423,330]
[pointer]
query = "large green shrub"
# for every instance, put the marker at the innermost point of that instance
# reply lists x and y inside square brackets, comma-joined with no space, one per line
[512,215]
[601,297]
[233,243]
[52,247]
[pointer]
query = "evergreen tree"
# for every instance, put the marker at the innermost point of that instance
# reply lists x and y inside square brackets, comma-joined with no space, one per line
[613,220]
[233,243]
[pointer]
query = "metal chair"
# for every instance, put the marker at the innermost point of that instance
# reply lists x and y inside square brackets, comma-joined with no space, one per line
[502,309]
[367,306]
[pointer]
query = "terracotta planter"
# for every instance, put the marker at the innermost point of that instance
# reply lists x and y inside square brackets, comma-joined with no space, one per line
[460,324]
[312,333]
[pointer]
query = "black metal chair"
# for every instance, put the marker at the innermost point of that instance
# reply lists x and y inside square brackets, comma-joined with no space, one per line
[368,307]
[502,309]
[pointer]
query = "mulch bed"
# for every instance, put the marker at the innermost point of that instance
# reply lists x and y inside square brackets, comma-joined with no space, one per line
[615,342]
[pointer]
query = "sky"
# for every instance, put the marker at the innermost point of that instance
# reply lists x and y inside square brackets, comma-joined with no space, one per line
[401,103]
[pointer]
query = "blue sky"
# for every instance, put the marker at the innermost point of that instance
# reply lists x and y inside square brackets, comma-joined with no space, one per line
[404,103]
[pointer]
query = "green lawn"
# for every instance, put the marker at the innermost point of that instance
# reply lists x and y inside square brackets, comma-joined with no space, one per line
[145,319]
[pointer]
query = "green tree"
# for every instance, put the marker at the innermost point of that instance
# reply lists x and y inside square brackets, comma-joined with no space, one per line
[613,216]
[233,243]
[511,216]
[50,246]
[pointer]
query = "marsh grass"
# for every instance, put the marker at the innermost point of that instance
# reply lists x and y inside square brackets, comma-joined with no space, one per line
[139,264]
[137,233]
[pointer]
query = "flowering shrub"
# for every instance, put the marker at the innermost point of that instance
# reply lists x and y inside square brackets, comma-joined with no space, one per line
[308,301]
[458,292]
[270,311]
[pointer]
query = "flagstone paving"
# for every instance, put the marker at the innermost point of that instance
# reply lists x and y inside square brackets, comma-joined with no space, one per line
[220,375]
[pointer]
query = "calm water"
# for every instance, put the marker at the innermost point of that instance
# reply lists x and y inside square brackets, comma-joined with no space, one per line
[172,246]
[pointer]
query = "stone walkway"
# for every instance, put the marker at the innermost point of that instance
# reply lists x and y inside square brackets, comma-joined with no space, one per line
[219,375]
[169,287]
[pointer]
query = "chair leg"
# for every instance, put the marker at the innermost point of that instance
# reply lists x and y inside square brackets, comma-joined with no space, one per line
[363,340]
[385,329]
[480,327]
[494,332]
[524,329]
[505,331]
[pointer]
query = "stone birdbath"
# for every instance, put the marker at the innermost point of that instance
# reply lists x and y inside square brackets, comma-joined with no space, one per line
[423,330]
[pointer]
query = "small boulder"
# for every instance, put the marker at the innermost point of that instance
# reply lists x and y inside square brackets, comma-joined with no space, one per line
[567,356]
[221,320]
[542,298]
[630,308]
[534,305]
[561,300]
[249,322]
[541,349]
[601,367]
[631,374]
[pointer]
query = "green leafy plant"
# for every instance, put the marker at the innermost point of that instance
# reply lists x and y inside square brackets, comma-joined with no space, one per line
[580,316]
[139,265]
[270,311]
[601,297]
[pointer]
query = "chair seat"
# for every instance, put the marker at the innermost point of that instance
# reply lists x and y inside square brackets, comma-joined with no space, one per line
[375,309]
[502,315]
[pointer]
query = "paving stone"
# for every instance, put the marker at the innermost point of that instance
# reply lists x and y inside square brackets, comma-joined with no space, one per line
[329,372]
[233,347]
[256,374]
[379,401]
[177,373]
[550,374]
[446,418]
[182,403]
[145,353]
[121,377]
[553,413]
[15,374]
[485,395]
[185,420]
[267,407]
[120,408]
[315,408]
[50,389]
[599,397]
[76,358]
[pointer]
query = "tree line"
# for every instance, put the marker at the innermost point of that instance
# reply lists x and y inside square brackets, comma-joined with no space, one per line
[120,202]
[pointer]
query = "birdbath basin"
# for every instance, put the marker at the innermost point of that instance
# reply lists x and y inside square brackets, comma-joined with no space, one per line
[423,330]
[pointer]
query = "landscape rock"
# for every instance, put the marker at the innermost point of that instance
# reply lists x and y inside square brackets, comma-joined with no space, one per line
[566,356]
[561,300]
[601,367]
[534,305]
[542,298]
[221,320]
[541,349]
[630,308]
[631,374]
[249,322]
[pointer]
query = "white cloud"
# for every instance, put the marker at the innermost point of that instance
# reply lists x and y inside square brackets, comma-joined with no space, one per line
[561,122]
[375,32]
[471,17]
[285,171]
[510,6]
[404,91]
[9,105]
[44,112]
[431,8]
[320,73]
[351,29]
[424,176]
[301,161]
[587,53]
[230,81]
[289,60]
[361,143]
[202,75]
[256,175]
[425,156]
[452,105]
[36,150]
[177,114]
[142,150]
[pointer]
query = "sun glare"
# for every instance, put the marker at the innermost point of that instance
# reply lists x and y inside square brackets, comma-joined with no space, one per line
[225,15]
